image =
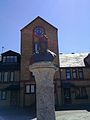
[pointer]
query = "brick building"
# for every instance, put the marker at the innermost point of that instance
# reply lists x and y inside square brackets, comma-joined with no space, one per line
[75,78]
[30,36]
[17,83]
[9,78]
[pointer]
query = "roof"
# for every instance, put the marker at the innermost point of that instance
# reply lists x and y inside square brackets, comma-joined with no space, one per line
[87,60]
[10,52]
[72,60]
[35,20]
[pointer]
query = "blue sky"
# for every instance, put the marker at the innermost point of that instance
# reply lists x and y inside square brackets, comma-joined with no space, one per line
[71,17]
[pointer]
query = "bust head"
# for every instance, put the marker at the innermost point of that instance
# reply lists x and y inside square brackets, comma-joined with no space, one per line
[44,54]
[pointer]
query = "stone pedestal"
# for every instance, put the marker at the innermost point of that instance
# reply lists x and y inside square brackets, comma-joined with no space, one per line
[44,73]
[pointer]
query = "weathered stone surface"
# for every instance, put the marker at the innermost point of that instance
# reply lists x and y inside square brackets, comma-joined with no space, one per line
[44,73]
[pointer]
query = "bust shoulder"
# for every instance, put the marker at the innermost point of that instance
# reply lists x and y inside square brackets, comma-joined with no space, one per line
[46,56]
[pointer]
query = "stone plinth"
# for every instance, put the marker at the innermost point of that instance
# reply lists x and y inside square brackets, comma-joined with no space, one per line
[44,73]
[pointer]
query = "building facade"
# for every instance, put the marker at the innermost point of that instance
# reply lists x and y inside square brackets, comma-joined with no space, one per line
[75,79]
[17,83]
[30,38]
[9,79]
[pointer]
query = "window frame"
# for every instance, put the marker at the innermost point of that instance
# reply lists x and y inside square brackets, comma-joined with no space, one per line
[10,73]
[80,70]
[0,76]
[5,76]
[74,71]
[68,71]
[82,93]
[9,59]
[30,87]
[1,95]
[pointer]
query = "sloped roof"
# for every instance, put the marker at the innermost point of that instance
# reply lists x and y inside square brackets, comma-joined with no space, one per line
[35,20]
[87,60]
[72,60]
[10,52]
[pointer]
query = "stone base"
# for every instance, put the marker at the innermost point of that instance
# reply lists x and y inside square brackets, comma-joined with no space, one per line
[44,73]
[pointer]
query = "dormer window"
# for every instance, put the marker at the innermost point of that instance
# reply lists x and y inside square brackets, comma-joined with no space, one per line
[9,59]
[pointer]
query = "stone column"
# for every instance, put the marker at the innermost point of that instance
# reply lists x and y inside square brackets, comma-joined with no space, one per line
[44,73]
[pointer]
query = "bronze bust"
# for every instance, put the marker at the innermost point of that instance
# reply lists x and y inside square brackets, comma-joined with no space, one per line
[43,54]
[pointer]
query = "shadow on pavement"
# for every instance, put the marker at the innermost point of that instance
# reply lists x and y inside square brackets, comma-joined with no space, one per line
[29,113]
[74,107]
[17,113]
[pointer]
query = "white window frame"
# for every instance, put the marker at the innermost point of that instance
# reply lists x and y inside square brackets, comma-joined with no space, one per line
[27,89]
[30,88]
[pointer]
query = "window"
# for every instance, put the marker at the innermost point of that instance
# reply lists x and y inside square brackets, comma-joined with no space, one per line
[0,76]
[10,59]
[67,93]
[3,95]
[74,73]
[12,77]
[68,73]
[4,59]
[81,93]
[5,77]
[30,89]
[80,73]
[15,58]
[27,89]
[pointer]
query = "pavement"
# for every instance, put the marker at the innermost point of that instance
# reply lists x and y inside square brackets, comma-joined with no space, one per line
[15,113]
[65,113]
[73,115]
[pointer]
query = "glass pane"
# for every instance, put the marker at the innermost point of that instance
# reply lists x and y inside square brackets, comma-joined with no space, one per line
[81,75]
[11,58]
[32,88]
[12,76]
[83,91]
[4,59]
[77,92]
[3,95]
[74,75]
[68,75]
[5,76]
[15,58]
[27,88]
[8,59]
[0,76]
